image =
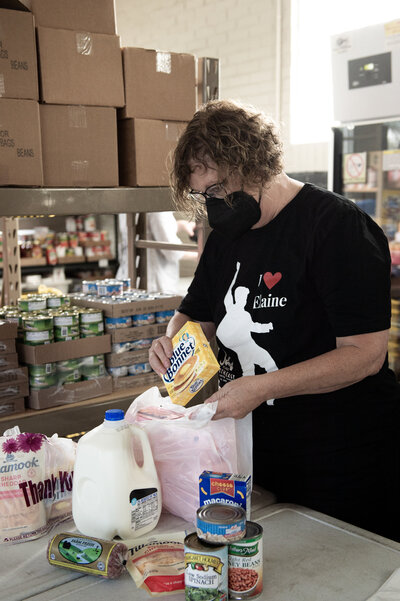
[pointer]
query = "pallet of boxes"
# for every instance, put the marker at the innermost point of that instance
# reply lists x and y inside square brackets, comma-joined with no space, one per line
[64,350]
[132,318]
[69,137]
[13,377]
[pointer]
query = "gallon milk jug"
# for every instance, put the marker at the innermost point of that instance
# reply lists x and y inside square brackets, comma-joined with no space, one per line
[111,494]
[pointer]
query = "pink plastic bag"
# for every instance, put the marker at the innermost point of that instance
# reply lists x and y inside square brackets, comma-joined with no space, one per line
[35,484]
[184,443]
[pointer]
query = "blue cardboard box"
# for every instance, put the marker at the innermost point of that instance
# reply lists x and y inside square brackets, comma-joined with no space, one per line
[231,489]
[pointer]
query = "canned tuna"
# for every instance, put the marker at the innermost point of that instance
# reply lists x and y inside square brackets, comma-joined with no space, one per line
[139,368]
[113,323]
[143,319]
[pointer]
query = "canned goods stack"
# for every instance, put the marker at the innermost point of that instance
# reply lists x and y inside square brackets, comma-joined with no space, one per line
[91,322]
[42,376]
[225,556]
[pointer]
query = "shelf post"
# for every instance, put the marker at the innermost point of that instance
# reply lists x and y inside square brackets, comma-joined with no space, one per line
[11,289]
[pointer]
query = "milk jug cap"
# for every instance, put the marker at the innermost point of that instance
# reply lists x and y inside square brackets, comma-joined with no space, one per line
[114,415]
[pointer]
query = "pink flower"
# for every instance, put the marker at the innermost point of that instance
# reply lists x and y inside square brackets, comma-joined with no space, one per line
[10,446]
[30,442]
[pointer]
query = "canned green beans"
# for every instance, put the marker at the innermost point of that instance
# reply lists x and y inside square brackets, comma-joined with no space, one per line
[36,322]
[91,323]
[44,381]
[56,302]
[91,372]
[36,338]
[32,303]
[42,370]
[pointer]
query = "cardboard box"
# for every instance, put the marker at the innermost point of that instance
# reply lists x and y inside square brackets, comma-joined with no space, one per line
[127,358]
[8,361]
[159,85]
[79,146]
[97,16]
[69,393]
[144,146]
[18,62]
[135,381]
[18,373]
[166,303]
[8,330]
[20,143]
[61,351]
[11,406]
[138,333]
[80,68]
[24,5]
[7,346]
[14,389]
[225,488]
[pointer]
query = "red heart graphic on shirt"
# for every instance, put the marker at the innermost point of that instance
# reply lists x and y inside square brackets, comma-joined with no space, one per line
[271,279]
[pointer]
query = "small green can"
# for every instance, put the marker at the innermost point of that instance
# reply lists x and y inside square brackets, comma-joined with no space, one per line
[32,303]
[57,302]
[42,370]
[68,365]
[66,318]
[36,338]
[93,360]
[63,333]
[36,322]
[68,376]
[91,372]
[91,323]
[44,381]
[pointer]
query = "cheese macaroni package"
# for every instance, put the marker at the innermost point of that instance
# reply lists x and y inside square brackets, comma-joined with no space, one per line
[193,364]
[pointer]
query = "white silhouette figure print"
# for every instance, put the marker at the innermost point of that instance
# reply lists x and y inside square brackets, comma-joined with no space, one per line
[235,329]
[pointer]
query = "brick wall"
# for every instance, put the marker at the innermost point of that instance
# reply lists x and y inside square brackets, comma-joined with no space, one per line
[243,36]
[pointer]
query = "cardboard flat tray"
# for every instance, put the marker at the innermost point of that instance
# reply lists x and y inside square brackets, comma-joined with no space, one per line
[151,379]
[14,388]
[127,358]
[12,405]
[62,351]
[138,333]
[70,393]
[136,308]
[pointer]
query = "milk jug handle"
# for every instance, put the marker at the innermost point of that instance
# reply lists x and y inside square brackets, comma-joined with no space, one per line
[148,461]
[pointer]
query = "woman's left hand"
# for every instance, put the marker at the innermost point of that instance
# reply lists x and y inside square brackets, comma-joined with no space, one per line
[237,398]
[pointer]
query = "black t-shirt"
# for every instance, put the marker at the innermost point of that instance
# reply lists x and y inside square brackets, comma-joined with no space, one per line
[282,293]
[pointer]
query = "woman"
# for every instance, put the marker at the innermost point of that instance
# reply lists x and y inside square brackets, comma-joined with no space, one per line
[294,281]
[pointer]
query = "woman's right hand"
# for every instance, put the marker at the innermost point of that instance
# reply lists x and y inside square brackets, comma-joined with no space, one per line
[160,354]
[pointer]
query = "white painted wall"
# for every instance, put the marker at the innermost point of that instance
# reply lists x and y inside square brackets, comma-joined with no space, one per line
[251,38]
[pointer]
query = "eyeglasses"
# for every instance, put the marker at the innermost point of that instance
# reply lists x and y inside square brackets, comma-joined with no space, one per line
[213,191]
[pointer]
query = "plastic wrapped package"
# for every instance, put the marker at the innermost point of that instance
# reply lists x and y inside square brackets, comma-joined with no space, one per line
[35,484]
[185,442]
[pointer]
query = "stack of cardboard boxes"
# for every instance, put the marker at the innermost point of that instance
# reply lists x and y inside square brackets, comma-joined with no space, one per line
[69,138]
[13,378]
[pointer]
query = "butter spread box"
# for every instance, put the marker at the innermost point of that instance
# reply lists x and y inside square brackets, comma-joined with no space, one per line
[193,364]
[230,489]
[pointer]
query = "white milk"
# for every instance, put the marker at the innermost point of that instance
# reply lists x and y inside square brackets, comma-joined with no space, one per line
[112,495]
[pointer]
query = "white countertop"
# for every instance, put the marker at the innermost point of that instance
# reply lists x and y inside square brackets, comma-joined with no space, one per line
[307,557]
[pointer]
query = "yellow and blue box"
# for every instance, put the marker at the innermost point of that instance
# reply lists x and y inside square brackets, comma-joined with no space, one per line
[230,489]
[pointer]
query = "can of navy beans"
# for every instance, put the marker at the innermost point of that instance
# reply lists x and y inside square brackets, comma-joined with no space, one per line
[245,561]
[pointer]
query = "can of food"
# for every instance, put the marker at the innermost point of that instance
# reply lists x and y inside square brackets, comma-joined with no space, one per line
[91,323]
[91,372]
[67,366]
[121,347]
[93,360]
[139,368]
[113,323]
[220,523]
[66,318]
[164,316]
[42,370]
[118,372]
[89,287]
[245,560]
[55,302]
[62,333]
[206,570]
[68,376]
[36,338]
[32,303]
[44,381]
[142,343]
[143,319]
[36,322]
[126,283]
[110,288]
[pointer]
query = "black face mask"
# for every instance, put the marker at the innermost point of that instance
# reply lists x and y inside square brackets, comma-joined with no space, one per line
[235,219]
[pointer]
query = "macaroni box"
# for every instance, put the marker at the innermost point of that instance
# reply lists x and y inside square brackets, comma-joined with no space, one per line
[229,489]
[193,364]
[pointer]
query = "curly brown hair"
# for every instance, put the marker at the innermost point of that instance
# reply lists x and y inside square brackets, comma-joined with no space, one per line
[238,138]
